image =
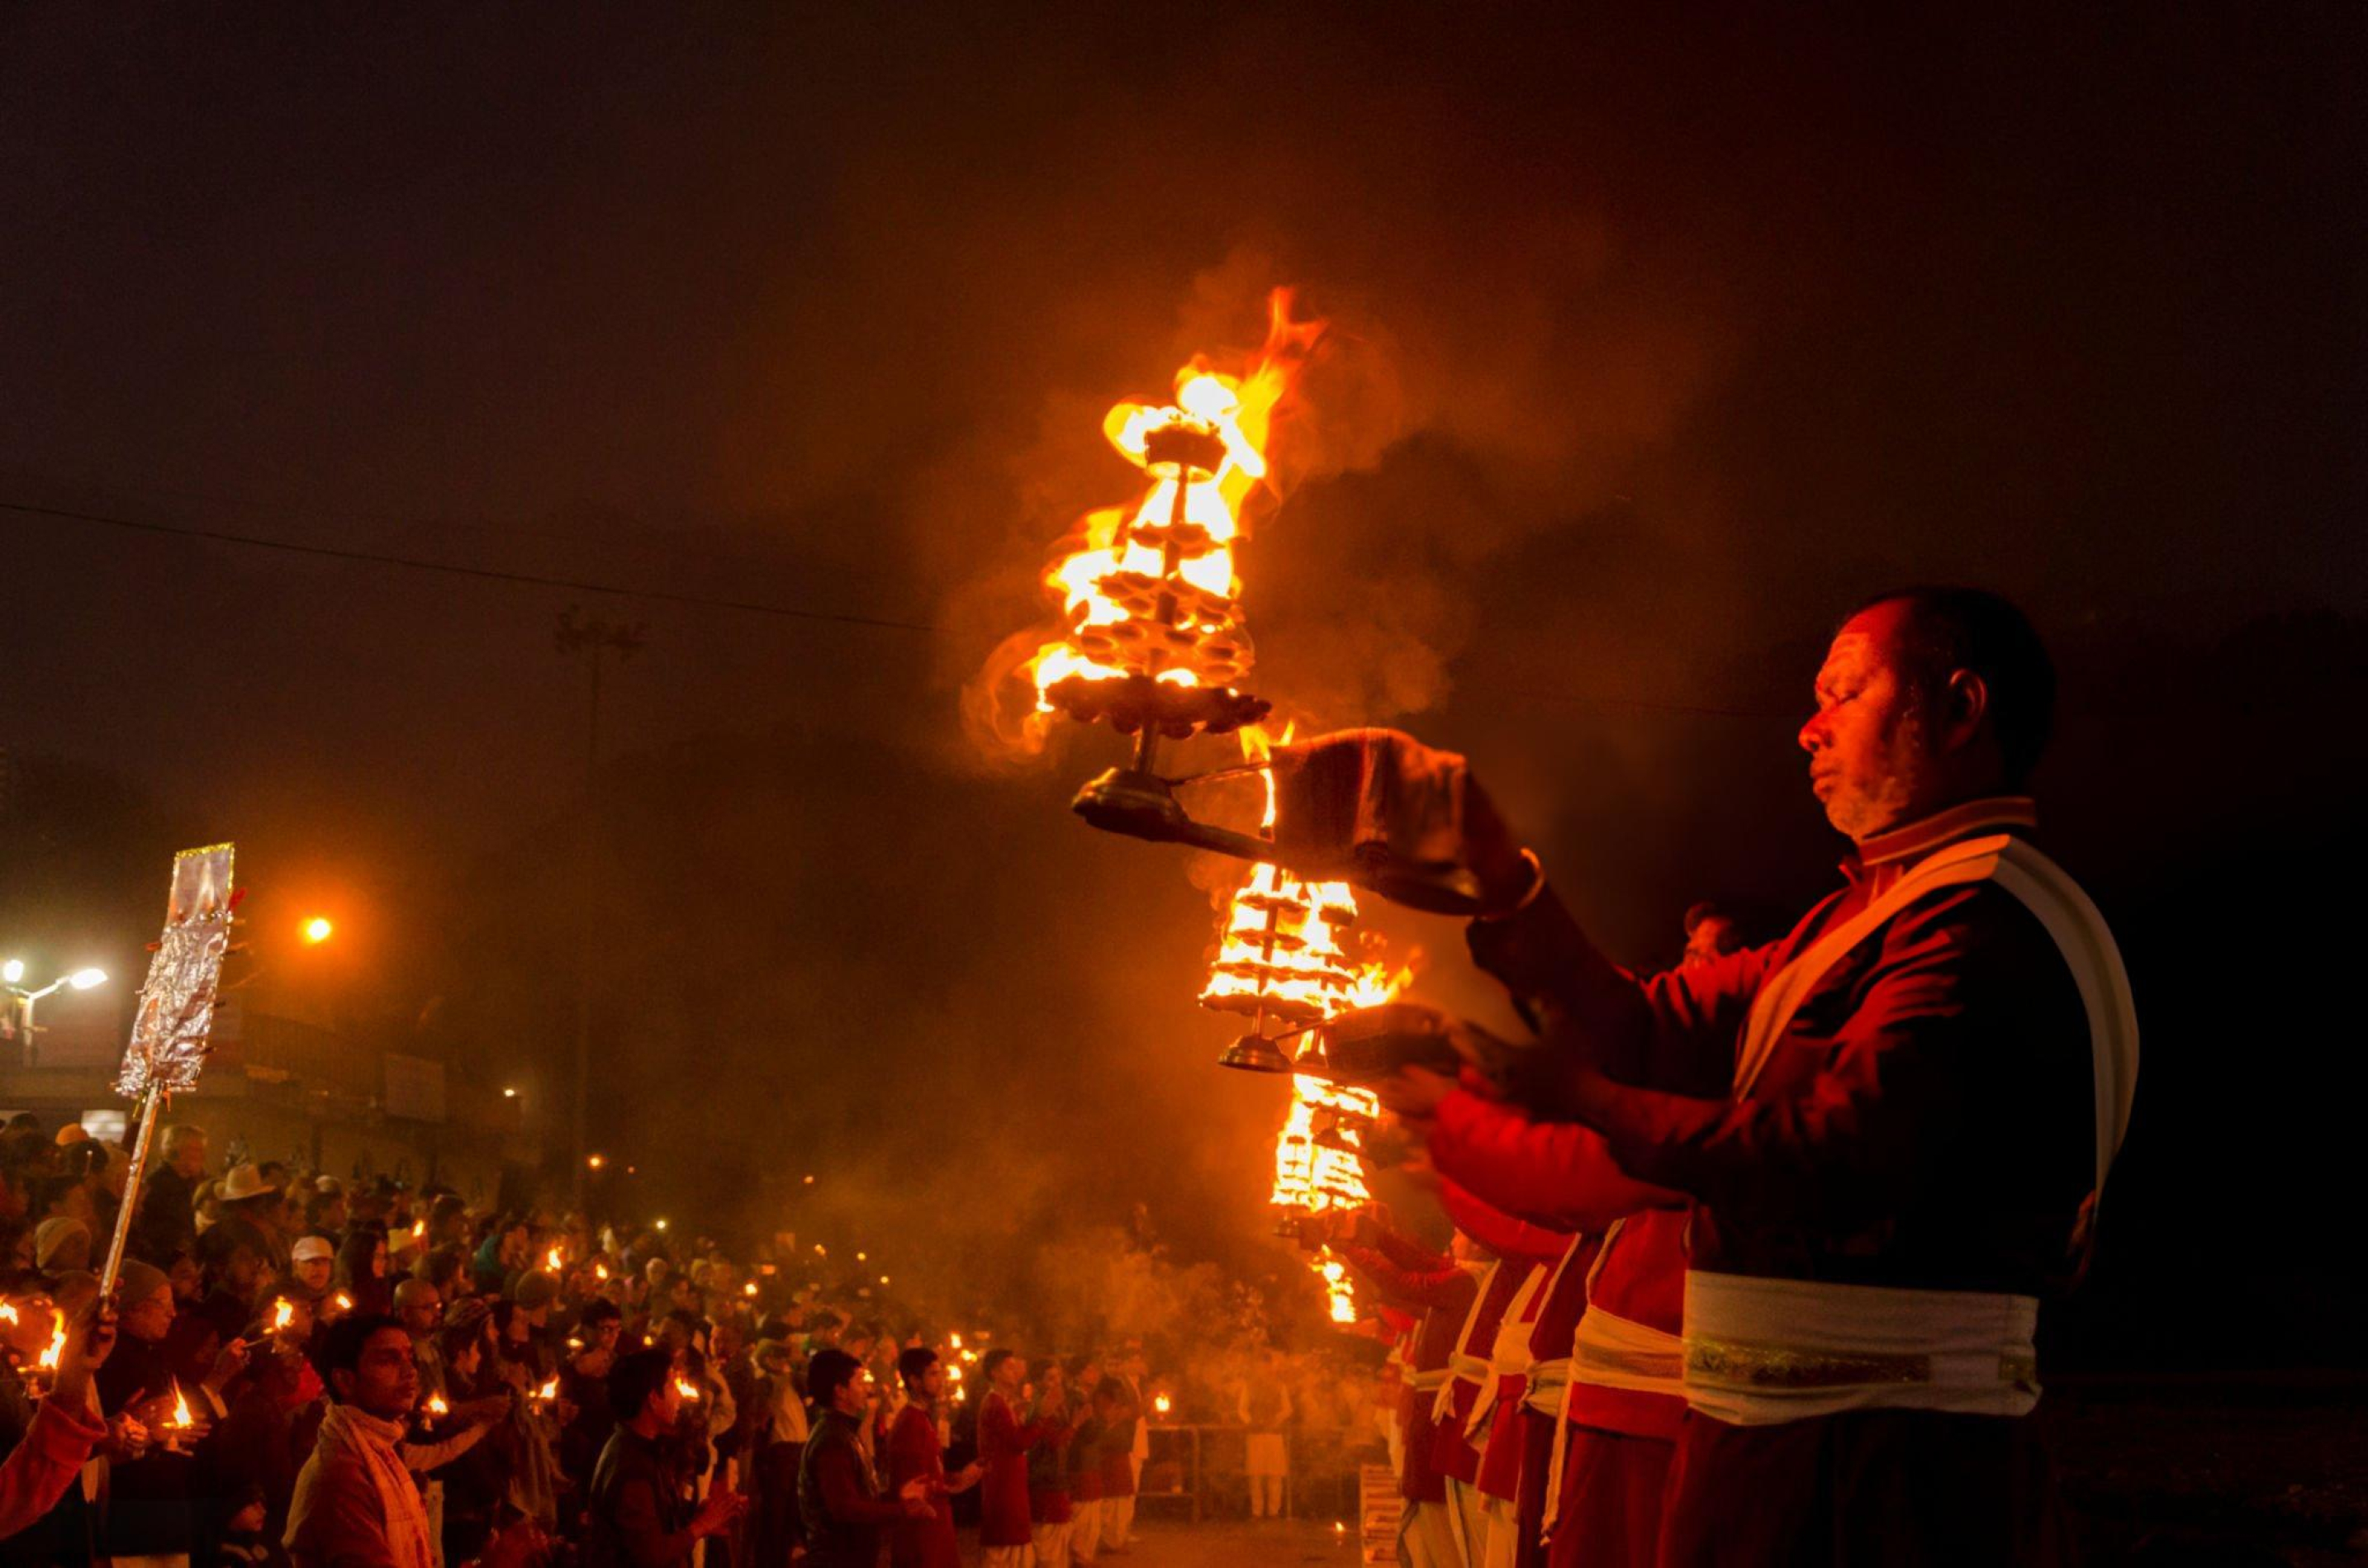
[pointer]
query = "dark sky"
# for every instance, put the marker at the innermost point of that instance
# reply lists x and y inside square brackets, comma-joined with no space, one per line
[1658,342]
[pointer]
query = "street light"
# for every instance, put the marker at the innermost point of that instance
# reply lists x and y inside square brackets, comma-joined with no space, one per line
[14,970]
[319,929]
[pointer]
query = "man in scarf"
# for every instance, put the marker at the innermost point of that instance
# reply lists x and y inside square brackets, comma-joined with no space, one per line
[355,1500]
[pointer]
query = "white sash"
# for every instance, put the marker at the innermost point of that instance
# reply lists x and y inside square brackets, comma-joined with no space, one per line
[1461,1363]
[2070,919]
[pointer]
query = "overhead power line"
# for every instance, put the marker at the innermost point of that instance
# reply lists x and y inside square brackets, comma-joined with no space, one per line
[455,569]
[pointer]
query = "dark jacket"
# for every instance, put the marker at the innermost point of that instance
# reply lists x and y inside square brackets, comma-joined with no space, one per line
[167,1222]
[636,1514]
[839,1498]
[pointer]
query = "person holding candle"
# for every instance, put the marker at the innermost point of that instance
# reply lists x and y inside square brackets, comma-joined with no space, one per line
[838,1496]
[64,1431]
[911,1450]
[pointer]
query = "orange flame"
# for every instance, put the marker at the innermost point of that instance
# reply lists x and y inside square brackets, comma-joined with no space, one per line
[549,1391]
[181,1416]
[1280,955]
[556,1259]
[687,1389]
[55,1353]
[1147,591]
[283,1315]
[436,1405]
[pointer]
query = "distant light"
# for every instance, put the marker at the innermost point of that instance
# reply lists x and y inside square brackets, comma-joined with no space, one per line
[595,1160]
[884,1279]
[862,1257]
[318,929]
[750,1288]
[14,970]
[84,979]
[820,1251]
[509,1093]
[662,1224]
[19,969]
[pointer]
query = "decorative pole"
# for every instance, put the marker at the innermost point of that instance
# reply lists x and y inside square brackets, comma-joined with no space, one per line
[173,1027]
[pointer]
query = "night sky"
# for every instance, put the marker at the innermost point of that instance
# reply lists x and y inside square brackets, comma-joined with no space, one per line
[1658,343]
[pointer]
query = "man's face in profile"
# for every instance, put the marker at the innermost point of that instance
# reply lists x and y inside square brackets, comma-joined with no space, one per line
[1868,755]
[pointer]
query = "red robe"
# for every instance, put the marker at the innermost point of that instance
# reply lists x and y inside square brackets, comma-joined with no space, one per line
[1003,1445]
[1617,1451]
[1442,1289]
[1923,1122]
[913,1451]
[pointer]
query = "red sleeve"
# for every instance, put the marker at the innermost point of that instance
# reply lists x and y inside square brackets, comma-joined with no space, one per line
[37,1473]
[1430,1287]
[1499,1231]
[1408,1253]
[1677,1030]
[1869,1130]
[1557,1171]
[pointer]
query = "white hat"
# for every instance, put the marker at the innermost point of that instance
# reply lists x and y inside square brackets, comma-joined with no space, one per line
[244,1182]
[311,1247]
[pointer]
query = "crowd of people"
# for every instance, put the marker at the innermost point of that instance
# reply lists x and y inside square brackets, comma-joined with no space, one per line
[1745,1269]
[294,1368]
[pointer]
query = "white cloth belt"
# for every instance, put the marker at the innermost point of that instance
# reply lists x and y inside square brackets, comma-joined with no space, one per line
[1613,1352]
[1460,1368]
[1547,1380]
[1461,1364]
[1510,1357]
[1763,1351]
[1421,1382]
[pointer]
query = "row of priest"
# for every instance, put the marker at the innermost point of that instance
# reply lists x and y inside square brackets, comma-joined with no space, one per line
[1749,1254]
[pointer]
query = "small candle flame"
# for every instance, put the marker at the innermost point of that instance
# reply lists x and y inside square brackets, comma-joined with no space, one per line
[599,1271]
[556,1259]
[954,1340]
[549,1391]
[283,1315]
[50,1358]
[419,1229]
[750,1288]
[688,1390]
[345,1302]
[8,1312]
[436,1405]
[1162,1403]
[181,1416]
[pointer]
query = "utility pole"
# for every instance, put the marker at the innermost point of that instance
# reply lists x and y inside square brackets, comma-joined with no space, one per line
[591,636]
